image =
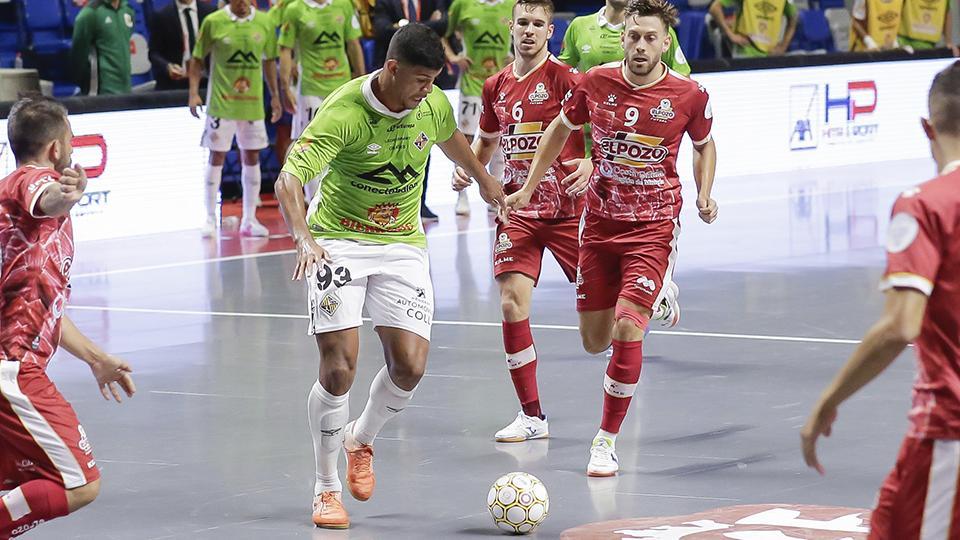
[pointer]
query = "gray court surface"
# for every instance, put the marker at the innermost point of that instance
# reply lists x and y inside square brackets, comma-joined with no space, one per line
[216,444]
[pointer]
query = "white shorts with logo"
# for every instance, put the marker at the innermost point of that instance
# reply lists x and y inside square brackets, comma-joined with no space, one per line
[307,107]
[218,134]
[469,119]
[391,280]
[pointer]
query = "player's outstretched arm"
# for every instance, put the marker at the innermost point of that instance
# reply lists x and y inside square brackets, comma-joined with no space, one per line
[289,191]
[112,373]
[458,150]
[899,325]
[551,144]
[704,171]
[58,200]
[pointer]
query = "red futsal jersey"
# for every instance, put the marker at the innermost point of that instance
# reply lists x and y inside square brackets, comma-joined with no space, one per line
[37,253]
[923,253]
[636,132]
[518,110]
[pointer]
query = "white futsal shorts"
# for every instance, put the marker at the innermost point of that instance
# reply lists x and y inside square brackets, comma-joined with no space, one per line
[218,134]
[391,280]
[469,120]
[307,107]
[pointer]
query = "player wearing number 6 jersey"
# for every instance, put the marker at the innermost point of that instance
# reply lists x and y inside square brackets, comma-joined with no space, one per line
[640,111]
[363,244]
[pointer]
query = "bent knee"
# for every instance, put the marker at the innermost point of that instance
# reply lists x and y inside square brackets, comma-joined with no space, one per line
[593,345]
[79,497]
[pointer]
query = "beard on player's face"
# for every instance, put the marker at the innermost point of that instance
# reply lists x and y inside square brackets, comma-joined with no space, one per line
[641,69]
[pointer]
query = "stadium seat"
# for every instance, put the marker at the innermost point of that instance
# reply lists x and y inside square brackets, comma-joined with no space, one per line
[368,46]
[690,32]
[140,19]
[831,4]
[839,20]
[560,26]
[44,24]
[815,29]
[70,11]
[157,5]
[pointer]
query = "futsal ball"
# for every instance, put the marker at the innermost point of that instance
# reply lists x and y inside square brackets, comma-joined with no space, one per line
[518,502]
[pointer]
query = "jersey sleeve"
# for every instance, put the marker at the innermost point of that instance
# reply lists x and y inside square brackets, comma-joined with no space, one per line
[443,112]
[489,123]
[351,26]
[270,50]
[570,54]
[574,112]
[29,187]
[674,57]
[701,118]
[205,39]
[320,143]
[790,9]
[288,29]
[913,247]
[453,17]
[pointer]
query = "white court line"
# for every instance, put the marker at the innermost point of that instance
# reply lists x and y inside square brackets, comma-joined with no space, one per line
[683,333]
[242,257]
[664,495]
[171,393]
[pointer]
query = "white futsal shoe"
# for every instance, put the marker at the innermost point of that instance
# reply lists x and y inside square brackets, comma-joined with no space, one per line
[209,229]
[668,312]
[253,227]
[523,428]
[603,458]
[463,204]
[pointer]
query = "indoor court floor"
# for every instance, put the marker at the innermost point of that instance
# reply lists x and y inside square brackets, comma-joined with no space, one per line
[215,445]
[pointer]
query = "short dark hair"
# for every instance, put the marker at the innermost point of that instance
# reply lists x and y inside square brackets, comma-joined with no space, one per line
[661,9]
[34,122]
[530,5]
[418,45]
[945,100]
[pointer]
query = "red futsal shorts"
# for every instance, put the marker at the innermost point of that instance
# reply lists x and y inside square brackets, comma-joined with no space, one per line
[40,436]
[519,246]
[625,259]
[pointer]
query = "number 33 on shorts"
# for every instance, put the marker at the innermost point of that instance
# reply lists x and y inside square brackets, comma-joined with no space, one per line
[324,282]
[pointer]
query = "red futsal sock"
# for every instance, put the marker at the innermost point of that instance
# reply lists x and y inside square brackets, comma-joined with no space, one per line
[29,505]
[620,382]
[522,362]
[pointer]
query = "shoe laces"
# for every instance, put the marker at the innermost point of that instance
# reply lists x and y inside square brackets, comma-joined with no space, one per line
[363,458]
[601,449]
[329,499]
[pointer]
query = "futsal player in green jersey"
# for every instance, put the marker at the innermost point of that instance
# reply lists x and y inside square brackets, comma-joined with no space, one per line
[361,244]
[242,45]
[485,28]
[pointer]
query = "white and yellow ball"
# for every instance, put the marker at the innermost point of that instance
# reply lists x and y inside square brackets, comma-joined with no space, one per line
[518,502]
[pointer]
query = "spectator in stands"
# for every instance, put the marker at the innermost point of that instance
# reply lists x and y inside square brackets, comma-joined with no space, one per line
[924,23]
[173,35]
[100,55]
[388,17]
[758,26]
[875,24]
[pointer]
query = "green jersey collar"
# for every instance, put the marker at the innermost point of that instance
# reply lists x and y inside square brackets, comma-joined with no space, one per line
[317,5]
[602,21]
[234,18]
[375,103]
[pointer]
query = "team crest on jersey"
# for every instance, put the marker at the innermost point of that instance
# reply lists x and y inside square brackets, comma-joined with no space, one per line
[331,64]
[503,243]
[241,85]
[128,20]
[329,304]
[421,141]
[539,95]
[634,149]
[664,112]
[384,215]
[257,37]
[521,140]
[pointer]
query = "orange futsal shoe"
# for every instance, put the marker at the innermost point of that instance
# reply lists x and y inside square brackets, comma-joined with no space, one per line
[328,511]
[360,479]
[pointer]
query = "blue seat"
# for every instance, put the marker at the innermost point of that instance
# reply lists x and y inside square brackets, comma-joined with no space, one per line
[691,32]
[140,17]
[827,4]
[70,11]
[44,24]
[816,31]
[560,26]
[368,46]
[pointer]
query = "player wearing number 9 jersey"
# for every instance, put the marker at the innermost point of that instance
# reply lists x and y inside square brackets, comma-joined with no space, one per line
[363,244]
[640,111]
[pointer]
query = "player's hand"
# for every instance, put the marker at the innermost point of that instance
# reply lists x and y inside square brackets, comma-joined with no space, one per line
[309,253]
[491,191]
[519,199]
[461,180]
[820,423]
[779,49]
[954,50]
[276,110]
[462,62]
[739,39]
[577,182]
[290,100]
[113,375]
[436,15]
[708,209]
[73,182]
[176,72]
[195,102]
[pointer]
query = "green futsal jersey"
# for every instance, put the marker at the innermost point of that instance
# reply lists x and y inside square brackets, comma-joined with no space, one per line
[319,32]
[485,26]
[371,162]
[237,48]
[591,41]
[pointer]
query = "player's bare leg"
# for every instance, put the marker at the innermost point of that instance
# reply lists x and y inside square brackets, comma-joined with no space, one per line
[37,501]
[622,375]
[596,330]
[516,290]
[214,174]
[328,411]
[250,178]
[392,388]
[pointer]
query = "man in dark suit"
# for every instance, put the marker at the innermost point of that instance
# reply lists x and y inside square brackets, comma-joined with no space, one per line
[173,33]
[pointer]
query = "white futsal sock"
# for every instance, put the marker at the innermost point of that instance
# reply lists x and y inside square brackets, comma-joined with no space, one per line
[328,414]
[608,435]
[250,177]
[212,177]
[386,400]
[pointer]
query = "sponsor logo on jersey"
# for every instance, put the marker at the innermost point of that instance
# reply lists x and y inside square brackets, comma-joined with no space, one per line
[645,284]
[384,215]
[330,64]
[241,85]
[84,444]
[634,149]
[65,267]
[373,149]
[586,48]
[421,141]
[663,112]
[35,185]
[389,173]
[421,292]
[503,243]
[328,38]
[612,100]
[766,8]
[521,140]
[243,58]
[539,95]
[579,280]
[489,38]
[329,304]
